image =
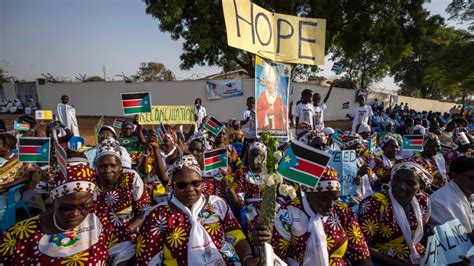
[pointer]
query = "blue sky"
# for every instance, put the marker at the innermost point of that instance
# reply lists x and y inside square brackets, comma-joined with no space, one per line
[68,37]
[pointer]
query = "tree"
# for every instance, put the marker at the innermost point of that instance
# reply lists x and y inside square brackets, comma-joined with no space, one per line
[462,10]
[386,26]
[94,79]
[153,71]
[411,73]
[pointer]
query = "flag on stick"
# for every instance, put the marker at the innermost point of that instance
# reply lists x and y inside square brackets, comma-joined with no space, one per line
[413,142]
[337,67]
[17,125]
[44,115]
[215,159]
[462,138]
[136,103]
[214,126]
[372,142]
[346,105]
[303,164]
[445,149]
[337,137]
[161,132]
[61,157]
[118,122]
[34,150]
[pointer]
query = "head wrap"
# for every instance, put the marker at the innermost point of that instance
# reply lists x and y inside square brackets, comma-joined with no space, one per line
[363,127]
[329,181]
[385,140]
[350,139]
[302,128]
[109,128]
[260,147]
[419,128]
[198,136]
[328,131]
[188,161]
[424,176]
[109,146]
[127,123]
[80,178]
[430,137]
[386,123]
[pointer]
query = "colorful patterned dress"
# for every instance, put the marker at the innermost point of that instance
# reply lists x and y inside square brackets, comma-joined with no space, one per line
[127,200]
[382,166]
[166,233]
[380,227]
[26,244]
[250,188]
[429,164]
[344,237]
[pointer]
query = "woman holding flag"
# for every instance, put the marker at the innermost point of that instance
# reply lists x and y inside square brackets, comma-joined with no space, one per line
[317,229]
[432,161]
[382,164]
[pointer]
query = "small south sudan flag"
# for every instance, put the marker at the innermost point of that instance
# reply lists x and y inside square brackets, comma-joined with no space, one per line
[136,103]
[215,159]
[337,67]
[303,164]
[161,132]
[445,149]
[17,125]
[213,126]
[118,123]
[372,142]
[61,157]
[34,150]
[413,142]
[337,137]
[346,105]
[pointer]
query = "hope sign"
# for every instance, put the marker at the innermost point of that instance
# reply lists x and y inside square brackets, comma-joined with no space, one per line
[274,36]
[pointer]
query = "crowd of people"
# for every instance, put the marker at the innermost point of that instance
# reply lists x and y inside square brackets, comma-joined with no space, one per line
[140,197]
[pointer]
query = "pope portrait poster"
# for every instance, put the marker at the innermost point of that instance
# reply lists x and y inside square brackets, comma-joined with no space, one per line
[272,81]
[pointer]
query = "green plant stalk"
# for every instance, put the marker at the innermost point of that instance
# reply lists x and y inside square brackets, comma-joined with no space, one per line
[267,209]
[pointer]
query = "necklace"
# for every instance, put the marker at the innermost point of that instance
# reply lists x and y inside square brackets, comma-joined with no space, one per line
[57,226]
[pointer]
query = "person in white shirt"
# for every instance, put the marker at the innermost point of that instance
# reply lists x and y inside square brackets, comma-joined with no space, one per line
[247,121]
[67,116]
[319,108]
[361,113]
[455,199]
[199,112]
[305,110]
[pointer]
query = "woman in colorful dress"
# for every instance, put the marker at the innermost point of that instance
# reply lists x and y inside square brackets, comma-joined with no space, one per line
[123,193]
[132,140]
[394,221]
[388,131]
[382,164]
[247,189]
[192,228]
[12,172]
[432,161]
[317,229]
[365,176]
[212,185]
[73,233]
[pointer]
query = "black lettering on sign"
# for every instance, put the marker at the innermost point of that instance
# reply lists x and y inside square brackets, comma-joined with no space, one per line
[301,39]
[237,17]
[269,30]
[280,36]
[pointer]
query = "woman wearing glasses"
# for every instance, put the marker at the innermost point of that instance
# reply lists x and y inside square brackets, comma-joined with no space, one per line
[123,192]
[191,228]
[73,233]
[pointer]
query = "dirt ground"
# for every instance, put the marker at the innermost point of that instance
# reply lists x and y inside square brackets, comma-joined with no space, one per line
[87,123]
